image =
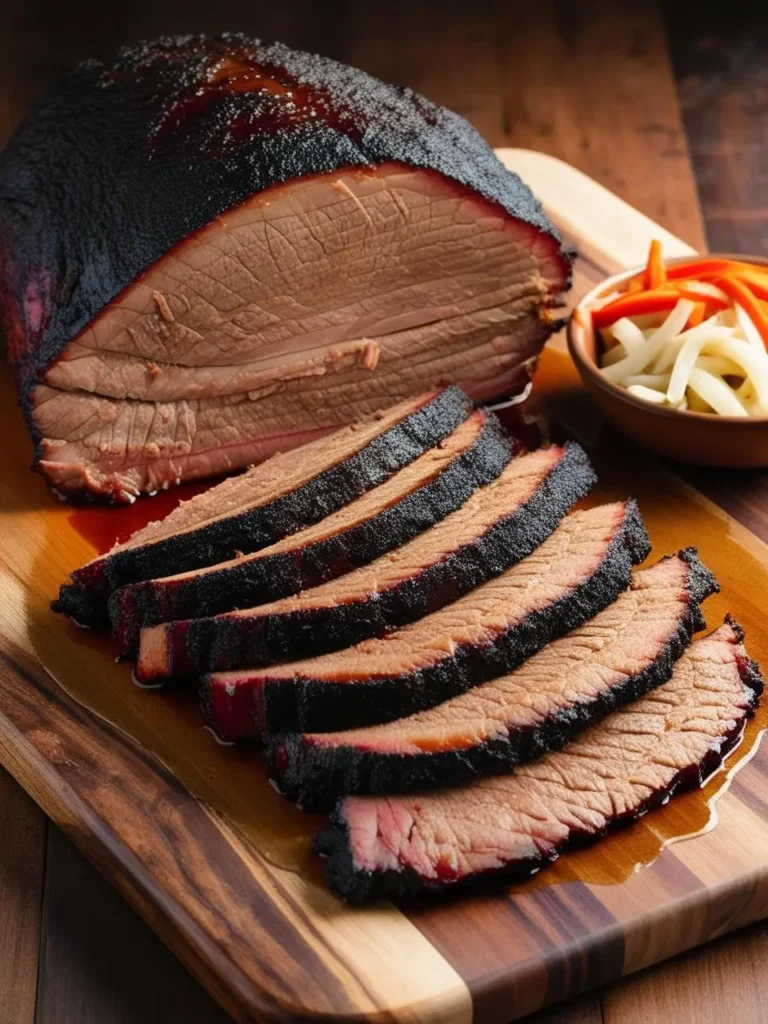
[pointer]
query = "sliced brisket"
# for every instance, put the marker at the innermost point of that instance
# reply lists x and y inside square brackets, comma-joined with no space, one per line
[268,502]
[514,825]
[498,525]
[412,500]
[214,248]
[581,568]
[616,657]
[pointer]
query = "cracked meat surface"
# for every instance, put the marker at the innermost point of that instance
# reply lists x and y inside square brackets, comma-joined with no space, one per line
[302,308]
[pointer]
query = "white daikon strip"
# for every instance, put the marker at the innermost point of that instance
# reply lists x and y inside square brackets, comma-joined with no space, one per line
[693,342]
[647,394]
[705,288]
[754,363]
[670,352]
[637,361]
[748,329]
[715,392]
[628,335]
[665,359]
[675,322]
[658,381]
[720,367]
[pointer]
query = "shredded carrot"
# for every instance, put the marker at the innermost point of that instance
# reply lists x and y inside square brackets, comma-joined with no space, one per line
[757,283]
[711,302]
[737,290]
[698,313]
[639,304]
[658,289]
[703,268]
[655,272]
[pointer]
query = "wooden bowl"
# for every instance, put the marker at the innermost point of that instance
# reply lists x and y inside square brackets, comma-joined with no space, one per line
[703,439]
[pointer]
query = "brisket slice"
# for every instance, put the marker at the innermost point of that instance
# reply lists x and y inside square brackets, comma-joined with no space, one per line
[512,826]
[268,502]
[409,502]
[619,655]
[213,248]
[498,525]
[581,568]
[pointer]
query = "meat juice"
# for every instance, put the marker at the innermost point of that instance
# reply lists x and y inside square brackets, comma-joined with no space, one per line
[232,780]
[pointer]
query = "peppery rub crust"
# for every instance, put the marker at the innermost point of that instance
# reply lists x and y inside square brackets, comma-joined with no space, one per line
[315,774]
[271,635]
[268,704]
[256,580]
[158,145]
[357,884]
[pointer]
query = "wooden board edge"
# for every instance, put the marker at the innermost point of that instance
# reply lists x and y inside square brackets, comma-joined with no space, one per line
[611,243]
[35,773]
[423,987]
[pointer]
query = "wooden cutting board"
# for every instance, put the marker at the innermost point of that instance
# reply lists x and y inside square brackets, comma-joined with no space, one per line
[219,865]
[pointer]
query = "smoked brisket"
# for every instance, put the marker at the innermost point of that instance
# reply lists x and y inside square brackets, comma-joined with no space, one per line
[270,501]
[582,567]
[498,525]
[409,502]
[616,657]
[511,826]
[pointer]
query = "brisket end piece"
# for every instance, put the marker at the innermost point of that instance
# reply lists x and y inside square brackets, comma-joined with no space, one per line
[497,526]
[409,502]
[580,569]
[616,657]
[511,826]
[270,501]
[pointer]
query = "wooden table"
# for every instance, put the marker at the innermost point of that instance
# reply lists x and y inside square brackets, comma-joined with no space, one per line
[668,108]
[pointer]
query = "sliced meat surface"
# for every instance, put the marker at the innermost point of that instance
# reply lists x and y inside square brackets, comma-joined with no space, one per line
[511,826]
[619,655]
[255,245]
[581,568]
[268,502]
[498,525]
[413,499]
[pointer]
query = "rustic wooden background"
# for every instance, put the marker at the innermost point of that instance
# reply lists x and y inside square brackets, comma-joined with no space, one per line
[667,105]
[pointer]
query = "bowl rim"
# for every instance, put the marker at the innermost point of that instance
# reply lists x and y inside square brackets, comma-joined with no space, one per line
[588,366]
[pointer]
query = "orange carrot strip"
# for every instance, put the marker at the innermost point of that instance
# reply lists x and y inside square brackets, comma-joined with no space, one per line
[639,304]
[741,294]
[757,283]
[710,301]
[699,266]
[655,274]
[698,313]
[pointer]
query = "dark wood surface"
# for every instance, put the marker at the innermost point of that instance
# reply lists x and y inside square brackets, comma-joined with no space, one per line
[651,103]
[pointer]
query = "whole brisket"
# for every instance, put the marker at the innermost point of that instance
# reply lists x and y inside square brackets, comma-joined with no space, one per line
[580,569]
[214,249]
[511,826]
[619,655]
[498,525]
